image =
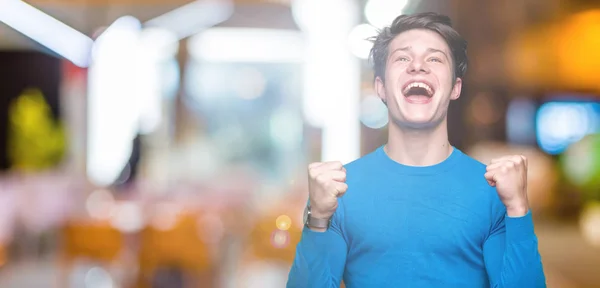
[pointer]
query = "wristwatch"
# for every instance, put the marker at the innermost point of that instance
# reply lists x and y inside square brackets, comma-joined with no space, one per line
[312,222]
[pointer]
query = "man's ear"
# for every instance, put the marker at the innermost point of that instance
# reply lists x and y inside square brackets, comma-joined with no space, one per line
[456,89]
[380,89]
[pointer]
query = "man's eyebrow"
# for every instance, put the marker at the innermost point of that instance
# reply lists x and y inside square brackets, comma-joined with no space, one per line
[401,49]
[429,50]
[433,50]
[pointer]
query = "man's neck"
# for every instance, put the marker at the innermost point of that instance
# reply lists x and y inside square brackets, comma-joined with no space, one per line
[418,147]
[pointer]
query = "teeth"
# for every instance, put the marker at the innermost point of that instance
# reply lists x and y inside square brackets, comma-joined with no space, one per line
[421,85]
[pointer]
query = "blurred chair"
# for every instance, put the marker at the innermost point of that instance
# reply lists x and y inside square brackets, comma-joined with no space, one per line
[3,255]
[268,243]
[269,251]
[272,245]
[177,248]
[96,241]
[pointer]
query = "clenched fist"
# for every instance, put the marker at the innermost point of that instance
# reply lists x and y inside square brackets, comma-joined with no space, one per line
[509,175]
[326,182]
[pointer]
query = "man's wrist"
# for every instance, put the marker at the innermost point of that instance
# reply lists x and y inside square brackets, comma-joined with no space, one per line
[517,211]
[317,215]
[315,220]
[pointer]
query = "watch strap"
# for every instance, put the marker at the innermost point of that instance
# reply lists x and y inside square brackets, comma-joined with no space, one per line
[313,222]
[317,223]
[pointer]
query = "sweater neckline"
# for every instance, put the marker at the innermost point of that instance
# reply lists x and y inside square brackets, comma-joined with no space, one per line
[396,167]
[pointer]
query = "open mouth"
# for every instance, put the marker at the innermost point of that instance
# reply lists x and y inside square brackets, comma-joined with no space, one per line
[418,92]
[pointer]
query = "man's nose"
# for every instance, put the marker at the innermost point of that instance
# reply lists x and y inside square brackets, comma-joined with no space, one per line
[417,66]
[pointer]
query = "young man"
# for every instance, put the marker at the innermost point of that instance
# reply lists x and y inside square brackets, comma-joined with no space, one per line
[417,212]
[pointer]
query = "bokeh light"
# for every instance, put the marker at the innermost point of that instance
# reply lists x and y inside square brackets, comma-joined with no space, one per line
[520,121]
[359,40]
[373,112]
[165,216]
[381,13]
[283,222]
[559,124]
[581,164]
[280,239]
[314,15]
[98,278]
[127,217]
[590,223]
[100,204]
[576,43]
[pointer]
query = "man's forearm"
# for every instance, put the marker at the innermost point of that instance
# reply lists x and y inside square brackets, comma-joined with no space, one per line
[518,263]
[320,260]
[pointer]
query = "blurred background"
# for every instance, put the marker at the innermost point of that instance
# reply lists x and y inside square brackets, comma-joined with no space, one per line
[153,143]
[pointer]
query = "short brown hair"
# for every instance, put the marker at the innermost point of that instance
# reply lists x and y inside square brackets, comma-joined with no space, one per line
[438,23]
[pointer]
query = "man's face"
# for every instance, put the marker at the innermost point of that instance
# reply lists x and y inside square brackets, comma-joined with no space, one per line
[419,80]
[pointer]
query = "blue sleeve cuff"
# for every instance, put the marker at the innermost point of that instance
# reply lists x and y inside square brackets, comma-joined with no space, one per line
[323,249]
[317,241]
[519,228]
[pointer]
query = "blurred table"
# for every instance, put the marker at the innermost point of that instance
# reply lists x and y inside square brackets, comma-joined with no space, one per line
[569,262]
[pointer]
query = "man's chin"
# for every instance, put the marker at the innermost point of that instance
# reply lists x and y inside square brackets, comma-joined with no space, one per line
[417,122]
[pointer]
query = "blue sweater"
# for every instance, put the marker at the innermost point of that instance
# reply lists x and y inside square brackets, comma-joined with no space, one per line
[404,226]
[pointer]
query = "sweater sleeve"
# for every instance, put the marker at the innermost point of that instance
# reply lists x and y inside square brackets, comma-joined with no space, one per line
[511,253]
[320,256]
